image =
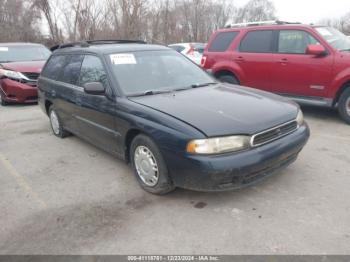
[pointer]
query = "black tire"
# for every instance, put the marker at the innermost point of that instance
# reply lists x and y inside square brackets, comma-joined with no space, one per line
[344,105]
[61,132]
[3,102]
[164,184]
[228,79]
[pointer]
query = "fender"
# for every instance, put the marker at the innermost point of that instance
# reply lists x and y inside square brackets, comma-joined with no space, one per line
[232,67]
[337,83]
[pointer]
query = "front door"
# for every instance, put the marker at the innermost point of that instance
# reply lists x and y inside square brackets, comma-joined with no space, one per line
[95,114]
[297,73]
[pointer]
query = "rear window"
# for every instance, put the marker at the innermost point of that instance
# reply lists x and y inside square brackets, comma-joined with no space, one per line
[222,41]
[257,42]
[54,67]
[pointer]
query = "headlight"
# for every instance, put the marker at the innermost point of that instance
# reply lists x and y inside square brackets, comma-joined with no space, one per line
[300,118]
[12,74]
[218,145]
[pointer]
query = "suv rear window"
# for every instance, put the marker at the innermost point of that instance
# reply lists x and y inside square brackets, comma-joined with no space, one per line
[222,41]
[257,42]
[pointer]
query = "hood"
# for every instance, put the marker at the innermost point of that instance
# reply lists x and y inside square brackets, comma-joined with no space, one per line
[224,109]
[29,66]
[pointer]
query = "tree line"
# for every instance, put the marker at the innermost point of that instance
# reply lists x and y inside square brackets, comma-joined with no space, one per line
[155,21]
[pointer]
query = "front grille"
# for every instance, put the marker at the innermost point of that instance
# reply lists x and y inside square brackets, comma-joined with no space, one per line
[274,133]
[32,76]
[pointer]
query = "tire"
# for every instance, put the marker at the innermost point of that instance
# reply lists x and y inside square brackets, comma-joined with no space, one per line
[56,124]
[344,105]
[228,79]
[3,102]
[155,182]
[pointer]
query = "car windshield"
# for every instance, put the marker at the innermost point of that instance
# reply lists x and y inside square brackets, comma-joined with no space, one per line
[23,53]
[335,38]
[150,72]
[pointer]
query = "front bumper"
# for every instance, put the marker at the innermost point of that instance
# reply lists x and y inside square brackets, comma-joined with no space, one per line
[15,92]
[236,170]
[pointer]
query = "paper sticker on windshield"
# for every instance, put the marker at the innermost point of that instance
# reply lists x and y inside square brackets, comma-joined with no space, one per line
[123,59]
[4,49]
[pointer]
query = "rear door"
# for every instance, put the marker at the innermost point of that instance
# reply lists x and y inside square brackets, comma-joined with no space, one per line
[61,92]
[95,113]
[254,57]
[297,73]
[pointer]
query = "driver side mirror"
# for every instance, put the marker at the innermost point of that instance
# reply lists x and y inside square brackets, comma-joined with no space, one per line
[94,88]
[316,50]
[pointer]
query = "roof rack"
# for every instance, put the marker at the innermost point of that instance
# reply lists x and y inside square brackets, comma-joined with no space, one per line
[258,23]
[88,43]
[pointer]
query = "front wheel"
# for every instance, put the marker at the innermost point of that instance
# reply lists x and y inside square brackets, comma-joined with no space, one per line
[228,79]
[3,102]
[149,166]
[344,105]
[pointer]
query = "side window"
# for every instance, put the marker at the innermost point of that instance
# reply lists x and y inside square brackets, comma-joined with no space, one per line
[71,71]
[54,67]
[294,41]
[92,70]
[222,41]
[257,42]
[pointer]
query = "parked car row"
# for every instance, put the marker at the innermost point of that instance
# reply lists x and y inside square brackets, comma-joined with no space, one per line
[177,125]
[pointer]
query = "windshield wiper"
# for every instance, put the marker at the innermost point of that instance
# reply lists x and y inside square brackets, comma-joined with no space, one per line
[203,85]
[150,92]
[345,50]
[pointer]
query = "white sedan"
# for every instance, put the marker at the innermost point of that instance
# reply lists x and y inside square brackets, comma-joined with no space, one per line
[193,51]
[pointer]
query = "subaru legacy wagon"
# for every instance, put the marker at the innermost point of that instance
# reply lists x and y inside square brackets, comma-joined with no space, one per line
[168,118]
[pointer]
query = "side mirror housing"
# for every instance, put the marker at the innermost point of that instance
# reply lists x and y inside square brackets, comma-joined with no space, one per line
[94,88]
[316,50]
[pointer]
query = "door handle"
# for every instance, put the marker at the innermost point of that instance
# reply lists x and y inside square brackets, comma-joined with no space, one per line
[283,61]
[239,59]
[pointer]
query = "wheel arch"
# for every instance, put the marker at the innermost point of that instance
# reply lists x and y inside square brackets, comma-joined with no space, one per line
[340,91]
[129,137]
[48,103]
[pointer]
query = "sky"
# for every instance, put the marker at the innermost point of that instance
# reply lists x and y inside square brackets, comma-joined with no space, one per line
[307,11]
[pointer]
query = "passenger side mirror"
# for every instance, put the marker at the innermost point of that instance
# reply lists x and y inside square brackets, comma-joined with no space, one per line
[94,88]
[316,50]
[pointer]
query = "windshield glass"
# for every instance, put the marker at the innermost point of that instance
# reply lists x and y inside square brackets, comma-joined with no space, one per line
[156,71]
[335,38]
[23,53]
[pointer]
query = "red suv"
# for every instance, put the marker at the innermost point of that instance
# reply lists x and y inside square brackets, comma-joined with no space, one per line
[20,66]
[310,64]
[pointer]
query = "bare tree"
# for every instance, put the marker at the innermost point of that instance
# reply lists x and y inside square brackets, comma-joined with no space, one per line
[18,21]
[256,10]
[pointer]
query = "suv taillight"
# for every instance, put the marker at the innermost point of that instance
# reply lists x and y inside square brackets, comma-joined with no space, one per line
[203,60]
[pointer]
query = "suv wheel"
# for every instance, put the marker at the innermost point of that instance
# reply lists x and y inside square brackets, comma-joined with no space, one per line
[228,79]
[56,124]
[149,166]
[344,105]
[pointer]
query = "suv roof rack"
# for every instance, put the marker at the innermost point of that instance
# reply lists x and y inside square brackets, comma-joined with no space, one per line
[257,23]
[88,43]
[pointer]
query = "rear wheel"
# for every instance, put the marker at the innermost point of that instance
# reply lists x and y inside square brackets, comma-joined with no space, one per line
[56,123]
[228,79]
[149,166]
[344,105]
